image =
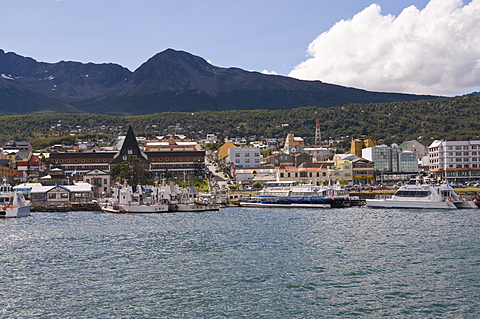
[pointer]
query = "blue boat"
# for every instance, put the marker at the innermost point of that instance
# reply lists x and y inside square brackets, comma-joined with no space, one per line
[292,194]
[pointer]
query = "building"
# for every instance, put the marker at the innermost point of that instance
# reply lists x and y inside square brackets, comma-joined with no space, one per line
[293,144]
[223,150]
[100,180]
[413,146]
[391,164]
[172,144]
[162,164]
[455,161]
[319,153]
[361,169]
[305,175]
[358,144]
[244,157]
[81,192]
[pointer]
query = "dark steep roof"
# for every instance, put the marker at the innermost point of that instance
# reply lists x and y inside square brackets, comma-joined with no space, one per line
[129,147]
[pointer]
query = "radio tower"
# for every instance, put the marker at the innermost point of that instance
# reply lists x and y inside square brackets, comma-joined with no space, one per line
[318,135]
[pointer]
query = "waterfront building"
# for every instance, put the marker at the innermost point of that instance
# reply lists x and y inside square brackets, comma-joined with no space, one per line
[162,164]
[455,161]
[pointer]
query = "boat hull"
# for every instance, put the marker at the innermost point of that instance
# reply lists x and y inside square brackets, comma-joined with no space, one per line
[288,205]
[418,204]
[15,212]
[136,209]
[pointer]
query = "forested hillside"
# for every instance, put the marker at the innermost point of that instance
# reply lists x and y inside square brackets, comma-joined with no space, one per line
[456,118]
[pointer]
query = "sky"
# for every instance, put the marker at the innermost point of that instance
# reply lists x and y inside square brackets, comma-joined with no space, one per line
[410,46]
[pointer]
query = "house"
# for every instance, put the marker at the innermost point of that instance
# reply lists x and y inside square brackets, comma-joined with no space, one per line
[100,180]
[80,192]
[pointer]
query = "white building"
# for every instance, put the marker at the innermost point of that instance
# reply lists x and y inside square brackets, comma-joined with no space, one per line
[455,161]
[244,156]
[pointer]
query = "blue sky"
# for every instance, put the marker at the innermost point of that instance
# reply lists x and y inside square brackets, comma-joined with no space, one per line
[296,38]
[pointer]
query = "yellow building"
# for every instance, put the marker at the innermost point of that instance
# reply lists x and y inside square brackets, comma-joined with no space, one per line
[354,169]
[223,150]
[360,143]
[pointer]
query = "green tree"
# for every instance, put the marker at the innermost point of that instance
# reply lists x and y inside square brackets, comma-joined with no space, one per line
[130,170]
[257,185]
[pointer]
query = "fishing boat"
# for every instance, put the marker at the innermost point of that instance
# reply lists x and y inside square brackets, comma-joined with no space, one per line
[292,194]
[13,203]
[144,199]
[417,194]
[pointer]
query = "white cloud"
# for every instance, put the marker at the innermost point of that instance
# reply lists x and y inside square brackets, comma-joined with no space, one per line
[435,50]
[269,72]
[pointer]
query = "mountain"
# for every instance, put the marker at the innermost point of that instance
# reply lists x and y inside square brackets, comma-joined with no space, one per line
[169,81]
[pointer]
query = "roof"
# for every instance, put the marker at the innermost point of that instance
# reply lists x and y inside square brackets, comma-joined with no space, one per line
[129,147]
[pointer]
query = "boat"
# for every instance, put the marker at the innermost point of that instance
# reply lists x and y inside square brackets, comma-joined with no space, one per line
[292,194]
[13,203]
[144,199]
[187,199]
[418,194]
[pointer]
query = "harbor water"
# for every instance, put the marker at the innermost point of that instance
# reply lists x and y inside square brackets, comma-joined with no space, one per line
[242,263]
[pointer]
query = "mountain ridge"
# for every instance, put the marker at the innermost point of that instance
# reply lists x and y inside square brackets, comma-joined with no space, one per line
[170,80]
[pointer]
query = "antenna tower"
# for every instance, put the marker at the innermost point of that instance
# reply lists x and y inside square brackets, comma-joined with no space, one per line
[318,135]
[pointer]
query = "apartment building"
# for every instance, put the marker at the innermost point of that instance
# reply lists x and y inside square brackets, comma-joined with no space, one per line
[455,161]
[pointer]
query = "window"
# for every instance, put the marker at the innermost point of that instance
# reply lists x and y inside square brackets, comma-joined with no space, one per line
[237,154]
[247,154]
[247,160]
[237,161]
[281,175]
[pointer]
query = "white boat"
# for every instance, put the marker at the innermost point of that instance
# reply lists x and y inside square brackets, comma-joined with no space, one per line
[292,194]
[13,203]
[415,194]
[144,200]
[186,199]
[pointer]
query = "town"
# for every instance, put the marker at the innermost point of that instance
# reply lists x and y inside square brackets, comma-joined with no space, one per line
[82,172]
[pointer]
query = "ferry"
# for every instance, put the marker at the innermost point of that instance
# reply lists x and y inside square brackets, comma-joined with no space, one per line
[416,194]
[293,194]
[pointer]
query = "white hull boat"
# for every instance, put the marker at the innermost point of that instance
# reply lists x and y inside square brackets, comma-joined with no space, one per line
[415,194]
[13,203]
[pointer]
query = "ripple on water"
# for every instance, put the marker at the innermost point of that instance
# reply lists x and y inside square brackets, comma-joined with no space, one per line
[265,263]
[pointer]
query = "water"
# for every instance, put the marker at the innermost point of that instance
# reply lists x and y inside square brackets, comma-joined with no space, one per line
[242,263]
